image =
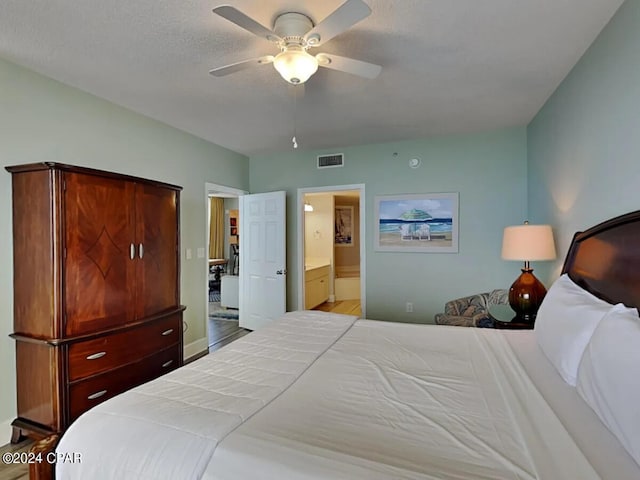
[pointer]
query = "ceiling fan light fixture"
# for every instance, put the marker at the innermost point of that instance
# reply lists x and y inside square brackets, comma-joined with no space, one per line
[295,65]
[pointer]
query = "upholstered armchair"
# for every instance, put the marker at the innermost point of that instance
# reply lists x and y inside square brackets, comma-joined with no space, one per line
[472,311]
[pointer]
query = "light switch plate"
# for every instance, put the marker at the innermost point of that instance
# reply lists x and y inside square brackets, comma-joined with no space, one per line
[188,254]
[201,252]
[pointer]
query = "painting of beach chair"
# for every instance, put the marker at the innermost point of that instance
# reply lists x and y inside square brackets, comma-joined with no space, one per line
[421,223]
[424,232]
[406,231]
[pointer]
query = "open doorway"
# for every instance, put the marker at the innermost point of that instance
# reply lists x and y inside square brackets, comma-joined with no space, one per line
[331,262]
[223,265]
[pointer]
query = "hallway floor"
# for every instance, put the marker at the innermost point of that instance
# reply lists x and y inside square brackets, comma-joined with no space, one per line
[222,332]
[348,307]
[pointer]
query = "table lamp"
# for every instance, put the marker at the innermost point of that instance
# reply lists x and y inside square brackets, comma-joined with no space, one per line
[527,243]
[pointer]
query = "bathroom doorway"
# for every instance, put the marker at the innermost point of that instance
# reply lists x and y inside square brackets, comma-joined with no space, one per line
[331,249]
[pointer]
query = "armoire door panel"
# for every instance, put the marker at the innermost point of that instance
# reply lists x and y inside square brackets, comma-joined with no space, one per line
[156,249]
[99,271]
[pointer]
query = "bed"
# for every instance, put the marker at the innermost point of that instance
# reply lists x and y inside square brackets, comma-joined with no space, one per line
[317,395]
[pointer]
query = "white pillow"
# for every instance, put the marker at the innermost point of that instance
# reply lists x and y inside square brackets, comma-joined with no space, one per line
[608,377]
[564,324]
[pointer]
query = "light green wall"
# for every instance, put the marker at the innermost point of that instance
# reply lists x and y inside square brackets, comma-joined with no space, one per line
[489,171]
[584,144]
[43,120]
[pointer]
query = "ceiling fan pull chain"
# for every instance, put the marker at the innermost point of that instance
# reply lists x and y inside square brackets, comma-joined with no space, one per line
[295,96]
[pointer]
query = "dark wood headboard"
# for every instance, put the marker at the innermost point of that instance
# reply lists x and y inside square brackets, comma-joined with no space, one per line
[605,260]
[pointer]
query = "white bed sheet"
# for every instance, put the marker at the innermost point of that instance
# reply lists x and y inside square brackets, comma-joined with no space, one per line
[407,401]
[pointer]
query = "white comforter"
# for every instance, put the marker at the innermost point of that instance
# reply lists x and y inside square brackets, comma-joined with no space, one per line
[170,427]
[315,397]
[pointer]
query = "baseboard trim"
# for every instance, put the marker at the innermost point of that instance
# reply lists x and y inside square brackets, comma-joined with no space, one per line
[195,348]
[5,432]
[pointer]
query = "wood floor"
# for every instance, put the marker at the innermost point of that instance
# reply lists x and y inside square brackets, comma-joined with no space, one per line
[223,332]
[348,307]
[16,471]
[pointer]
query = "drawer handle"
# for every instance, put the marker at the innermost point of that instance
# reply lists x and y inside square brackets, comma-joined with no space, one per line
[166,364]
[93,396]
[167,332]
[96,356]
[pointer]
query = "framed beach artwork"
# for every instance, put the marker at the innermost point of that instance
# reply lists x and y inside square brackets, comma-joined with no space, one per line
[343,217]
[426,222]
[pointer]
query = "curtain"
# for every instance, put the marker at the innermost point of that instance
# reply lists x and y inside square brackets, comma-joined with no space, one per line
[216,228]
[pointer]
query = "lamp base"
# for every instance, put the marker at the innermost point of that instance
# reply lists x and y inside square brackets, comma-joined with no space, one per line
[525,296]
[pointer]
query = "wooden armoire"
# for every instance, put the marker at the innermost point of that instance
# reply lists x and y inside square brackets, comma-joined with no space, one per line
[96,263]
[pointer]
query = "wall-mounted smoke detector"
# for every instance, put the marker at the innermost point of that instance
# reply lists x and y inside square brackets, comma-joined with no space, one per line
[332,160]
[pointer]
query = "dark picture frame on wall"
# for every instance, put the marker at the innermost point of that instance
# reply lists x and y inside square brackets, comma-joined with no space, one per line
[425,222]
[343,230]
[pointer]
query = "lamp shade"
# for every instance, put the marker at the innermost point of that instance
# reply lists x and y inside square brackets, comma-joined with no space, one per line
[295,65]
[528,242]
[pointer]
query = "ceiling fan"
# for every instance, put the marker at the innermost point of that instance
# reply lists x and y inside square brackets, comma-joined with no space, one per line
[295,33]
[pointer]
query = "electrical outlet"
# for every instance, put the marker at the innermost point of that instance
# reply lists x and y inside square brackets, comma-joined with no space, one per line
[409,307]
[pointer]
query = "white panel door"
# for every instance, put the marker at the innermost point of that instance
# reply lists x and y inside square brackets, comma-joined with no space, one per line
[263,274]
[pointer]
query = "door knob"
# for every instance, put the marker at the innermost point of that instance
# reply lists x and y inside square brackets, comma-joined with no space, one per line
[281,272]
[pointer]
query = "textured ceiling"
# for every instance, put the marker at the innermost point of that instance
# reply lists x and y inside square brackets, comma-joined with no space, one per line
[448,66]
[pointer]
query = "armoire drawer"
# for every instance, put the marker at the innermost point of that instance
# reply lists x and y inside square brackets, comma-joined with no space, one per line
[85,394]
[111,351]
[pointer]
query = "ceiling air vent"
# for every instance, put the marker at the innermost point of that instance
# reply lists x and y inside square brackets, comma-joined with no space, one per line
[331,161]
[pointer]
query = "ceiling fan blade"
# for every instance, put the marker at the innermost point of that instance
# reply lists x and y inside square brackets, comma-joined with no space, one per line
[349,65]
[349,13]
[234,67]
[236,16]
